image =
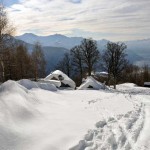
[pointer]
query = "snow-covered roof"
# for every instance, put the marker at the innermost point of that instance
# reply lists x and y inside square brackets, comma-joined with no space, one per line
[64,78]
[91,82]
[54,82]
[147,83]
[103,74]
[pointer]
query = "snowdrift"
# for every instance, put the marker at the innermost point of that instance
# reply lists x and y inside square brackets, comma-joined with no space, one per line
[90,82]
[132,88]
[72,119]
[12,87]
[31,84]
[127,85]
[15,102]
[17,108]
[64,78]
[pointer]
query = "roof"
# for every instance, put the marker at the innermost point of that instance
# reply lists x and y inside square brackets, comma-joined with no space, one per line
[147,83]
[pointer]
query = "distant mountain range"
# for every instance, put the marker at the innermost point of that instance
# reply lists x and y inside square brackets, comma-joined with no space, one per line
[56,40]
[56,45]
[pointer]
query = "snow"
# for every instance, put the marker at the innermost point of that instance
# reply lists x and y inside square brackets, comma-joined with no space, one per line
[54,82]
[31,84]
[32,118]
[147,83]
[66,80]
[102,74]
[114,133]
[91,82]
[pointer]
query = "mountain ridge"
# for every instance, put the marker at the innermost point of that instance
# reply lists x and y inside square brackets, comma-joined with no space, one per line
[73,37]
[138,50]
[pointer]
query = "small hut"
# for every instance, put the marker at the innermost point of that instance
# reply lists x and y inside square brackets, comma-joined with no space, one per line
[91,83]
[62,77]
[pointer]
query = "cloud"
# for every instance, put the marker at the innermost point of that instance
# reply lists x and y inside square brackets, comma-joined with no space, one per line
[121,19]
[75,1]
[66,19]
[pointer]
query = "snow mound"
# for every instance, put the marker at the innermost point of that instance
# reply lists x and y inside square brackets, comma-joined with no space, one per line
[17,108]
[20,106]
[90,82]
[12,87]
[132,89]
[64,78]
[147,83]
[127,85]
[31,84]
[116,133]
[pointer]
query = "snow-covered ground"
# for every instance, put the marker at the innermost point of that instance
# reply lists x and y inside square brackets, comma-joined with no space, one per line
[39,119]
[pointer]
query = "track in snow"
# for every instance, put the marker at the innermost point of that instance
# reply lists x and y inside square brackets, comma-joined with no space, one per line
[115,133]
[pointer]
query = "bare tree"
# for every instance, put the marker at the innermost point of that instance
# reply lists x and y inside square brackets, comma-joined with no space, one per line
[77,60]
[146,73]
[65,64]
[114,59]
[9,62]
[22,62]
[6,29]
[90,54]
[39,62]
[107,65]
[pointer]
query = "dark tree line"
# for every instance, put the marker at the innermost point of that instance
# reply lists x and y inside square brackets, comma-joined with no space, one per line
[136,74]
[6,29]
[20,64]
[15,60]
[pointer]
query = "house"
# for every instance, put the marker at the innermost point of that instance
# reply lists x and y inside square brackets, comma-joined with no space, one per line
[62,78]
[91,83]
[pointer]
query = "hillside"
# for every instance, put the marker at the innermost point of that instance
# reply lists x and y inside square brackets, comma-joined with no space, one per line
[52,54]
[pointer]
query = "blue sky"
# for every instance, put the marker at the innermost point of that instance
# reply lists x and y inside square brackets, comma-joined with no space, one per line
[101,19]
[10,2]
